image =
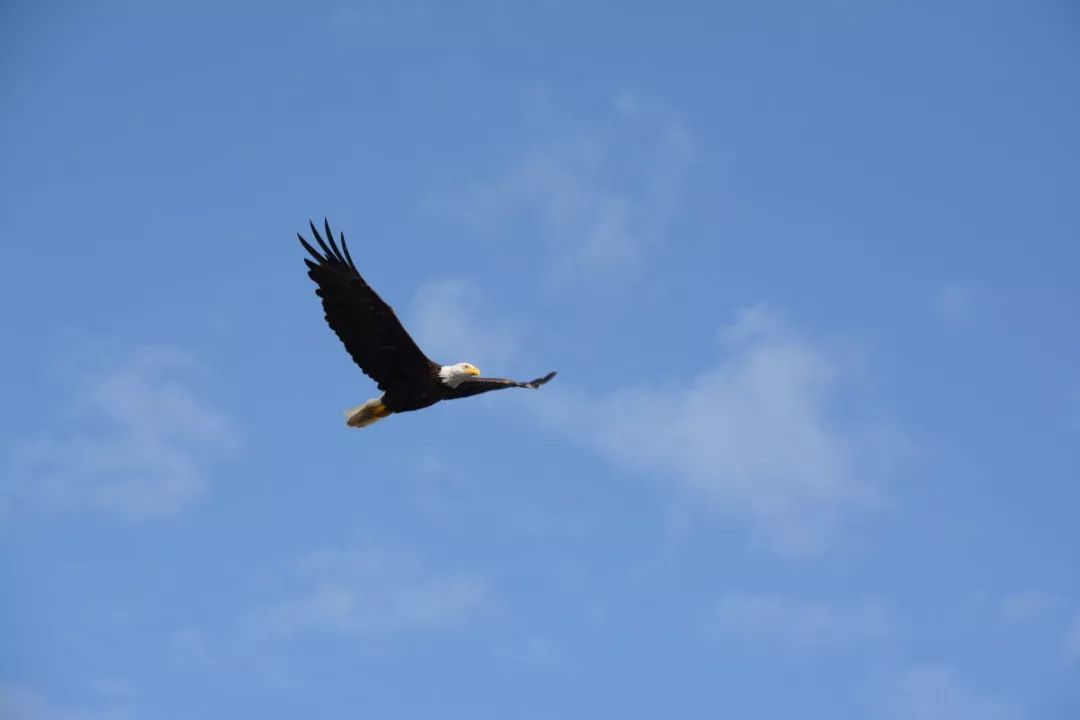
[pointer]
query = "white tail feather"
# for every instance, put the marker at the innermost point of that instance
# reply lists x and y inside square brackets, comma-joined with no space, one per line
[366,414]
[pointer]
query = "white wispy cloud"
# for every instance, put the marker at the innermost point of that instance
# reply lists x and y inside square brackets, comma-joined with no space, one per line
[772,620]
[446,322]
[367,589]
[19,702]
[593,203]
[771,433]
[134,439]
[937,693]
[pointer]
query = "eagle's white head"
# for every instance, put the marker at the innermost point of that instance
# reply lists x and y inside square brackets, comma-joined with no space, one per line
[454,375]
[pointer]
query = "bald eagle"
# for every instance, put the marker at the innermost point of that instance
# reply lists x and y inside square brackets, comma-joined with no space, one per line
[378,343]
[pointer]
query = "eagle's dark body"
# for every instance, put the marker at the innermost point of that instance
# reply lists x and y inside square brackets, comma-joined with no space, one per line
[376,339]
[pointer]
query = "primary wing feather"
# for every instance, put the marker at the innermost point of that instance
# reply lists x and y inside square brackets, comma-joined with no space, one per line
[366,325]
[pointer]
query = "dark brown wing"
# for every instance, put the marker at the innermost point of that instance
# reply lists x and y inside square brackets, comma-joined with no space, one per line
[367,326]
[475,386]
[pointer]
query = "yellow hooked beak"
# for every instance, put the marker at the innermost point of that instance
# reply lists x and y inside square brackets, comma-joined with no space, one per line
[472,370]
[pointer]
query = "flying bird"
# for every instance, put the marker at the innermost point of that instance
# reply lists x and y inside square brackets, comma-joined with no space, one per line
[379,344]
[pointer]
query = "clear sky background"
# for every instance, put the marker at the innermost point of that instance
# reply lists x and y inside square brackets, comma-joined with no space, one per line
[809,272]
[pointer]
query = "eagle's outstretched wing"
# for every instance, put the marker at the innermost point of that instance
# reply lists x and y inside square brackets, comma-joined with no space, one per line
[367,326]
[475,386]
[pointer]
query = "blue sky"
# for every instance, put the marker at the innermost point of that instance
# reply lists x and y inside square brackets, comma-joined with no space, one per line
[808,272]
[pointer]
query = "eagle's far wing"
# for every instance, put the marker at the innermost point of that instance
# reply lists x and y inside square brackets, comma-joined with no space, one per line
[475,386]
[366,325]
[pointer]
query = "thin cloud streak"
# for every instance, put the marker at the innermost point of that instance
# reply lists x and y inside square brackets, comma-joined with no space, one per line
[1028,606]
[367,589]
[19,702]
[930,692]
[136,441]
[801,624]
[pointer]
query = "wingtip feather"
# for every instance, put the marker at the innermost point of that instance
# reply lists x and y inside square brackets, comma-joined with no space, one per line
[538,382]
[310,249]
[330,236]
[348,257]
[318,238]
